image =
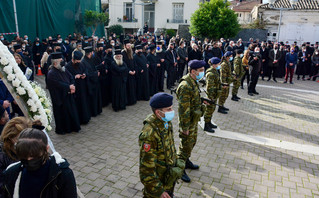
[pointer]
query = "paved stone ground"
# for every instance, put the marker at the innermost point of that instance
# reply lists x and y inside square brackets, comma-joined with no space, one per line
[104,155]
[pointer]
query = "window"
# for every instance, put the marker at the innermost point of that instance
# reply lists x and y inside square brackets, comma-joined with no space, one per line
[128,15]
[178,12]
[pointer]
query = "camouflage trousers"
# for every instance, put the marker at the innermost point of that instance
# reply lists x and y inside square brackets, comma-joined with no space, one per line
[236,86]
[223,96]
[187,144]
[209,112]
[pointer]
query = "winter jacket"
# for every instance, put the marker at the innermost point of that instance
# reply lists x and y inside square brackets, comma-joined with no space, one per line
[60,184]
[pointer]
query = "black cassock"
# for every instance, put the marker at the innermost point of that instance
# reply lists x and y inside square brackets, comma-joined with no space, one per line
[81,92]
[94,91]
[64,107]
[131,80]
[160,71]
[153,61]
[103,78]
[108,59]
[142,81]
[119,78]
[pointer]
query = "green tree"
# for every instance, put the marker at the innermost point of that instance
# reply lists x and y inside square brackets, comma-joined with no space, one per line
[93,18]
[214,20]
[117,29]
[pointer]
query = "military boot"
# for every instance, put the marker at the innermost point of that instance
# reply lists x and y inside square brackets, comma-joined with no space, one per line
[208,128]
[234,98]
[212,125]
[222,110]
[226,109]
[185,177]
[237,97]
[190,165]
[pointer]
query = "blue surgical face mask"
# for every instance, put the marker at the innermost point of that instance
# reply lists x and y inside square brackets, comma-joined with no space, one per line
[2,39]
[242,55]
[168,116]
[200,75]
[218,67]
[231,59]
[37,44]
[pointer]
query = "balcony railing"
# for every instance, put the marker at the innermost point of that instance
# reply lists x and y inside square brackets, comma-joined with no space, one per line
[127,20]
[176,21]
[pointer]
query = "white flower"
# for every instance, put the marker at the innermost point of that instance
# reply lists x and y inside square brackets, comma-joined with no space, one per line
[11,77]
[41,99]
[48,111]
[30,102]
[37,117]
[16,82]
[21,91]
[49,128]
[4,61]
[34,97]
[8,69]
[33,108]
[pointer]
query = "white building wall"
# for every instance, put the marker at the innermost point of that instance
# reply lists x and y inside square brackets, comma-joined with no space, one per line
[163,12]
[297,25]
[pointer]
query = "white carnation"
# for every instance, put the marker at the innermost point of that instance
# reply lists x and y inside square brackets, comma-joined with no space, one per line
[37,117]
[21,91]
[16,82]
[10,77]
[49,128]
[34,97]
[8,69]
[30,102]
[33,108]
[4,61]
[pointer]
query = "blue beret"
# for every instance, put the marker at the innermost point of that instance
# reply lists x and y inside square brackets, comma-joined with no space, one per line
[215,60]
[161,100]
[77,55]
[229,53]
[196,64]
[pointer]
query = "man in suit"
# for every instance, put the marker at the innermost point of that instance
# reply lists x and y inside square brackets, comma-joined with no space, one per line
[273,63]
[171,60]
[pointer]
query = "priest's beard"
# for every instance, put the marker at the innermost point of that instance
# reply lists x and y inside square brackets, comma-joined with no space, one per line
[119,62]
[129,53]
[58,66]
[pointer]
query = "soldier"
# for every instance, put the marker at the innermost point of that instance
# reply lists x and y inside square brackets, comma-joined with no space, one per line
[238,73]
[226,80]
[159,166]
[190,109]
[213,87]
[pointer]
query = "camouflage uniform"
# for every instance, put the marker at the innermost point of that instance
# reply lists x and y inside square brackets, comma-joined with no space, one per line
[157,154]
[226,79]
[190,109]
[213,87]
[238,73]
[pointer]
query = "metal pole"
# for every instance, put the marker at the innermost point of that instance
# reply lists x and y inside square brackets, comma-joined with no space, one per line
[15,16]
[142,29]
[279,24]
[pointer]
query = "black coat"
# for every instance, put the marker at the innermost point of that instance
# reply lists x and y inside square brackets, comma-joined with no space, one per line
[95,98]
[103,78]
[64,107]
[61,182]
[119,80]
[5,161]
[142,88]
[255,65]
[81,93]
[272,57]
[131,79]
[153,61]
[192,55]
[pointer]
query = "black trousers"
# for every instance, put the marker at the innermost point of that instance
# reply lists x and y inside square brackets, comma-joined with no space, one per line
[253,83]
[171,76]
[180,70]
[243,78]
[272,71]
[160,71]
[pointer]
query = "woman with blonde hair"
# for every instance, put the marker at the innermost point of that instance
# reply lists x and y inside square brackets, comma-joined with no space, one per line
[9,138]
[246,68]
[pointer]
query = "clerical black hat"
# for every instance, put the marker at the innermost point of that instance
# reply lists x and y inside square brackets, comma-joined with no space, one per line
[152,47]
[118,52]
[126,41]
[308,43]
[86,37]
[88,49]
[77,55]
[139,47]
[17,46]
[99,45]
[161,100]
[79,42]
[196,64]
[56,55]
[108,46]
[159,43]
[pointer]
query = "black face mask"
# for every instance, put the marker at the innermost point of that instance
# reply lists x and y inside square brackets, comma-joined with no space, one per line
[32,165]
[139,53]
[76,65]
[58,50]
[109,53]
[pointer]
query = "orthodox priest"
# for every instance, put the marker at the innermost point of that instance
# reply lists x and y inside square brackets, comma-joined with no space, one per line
[119,73]
[62,90]
[143,91]
[94,91]
[154,62]
[131,79]
[81,95]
